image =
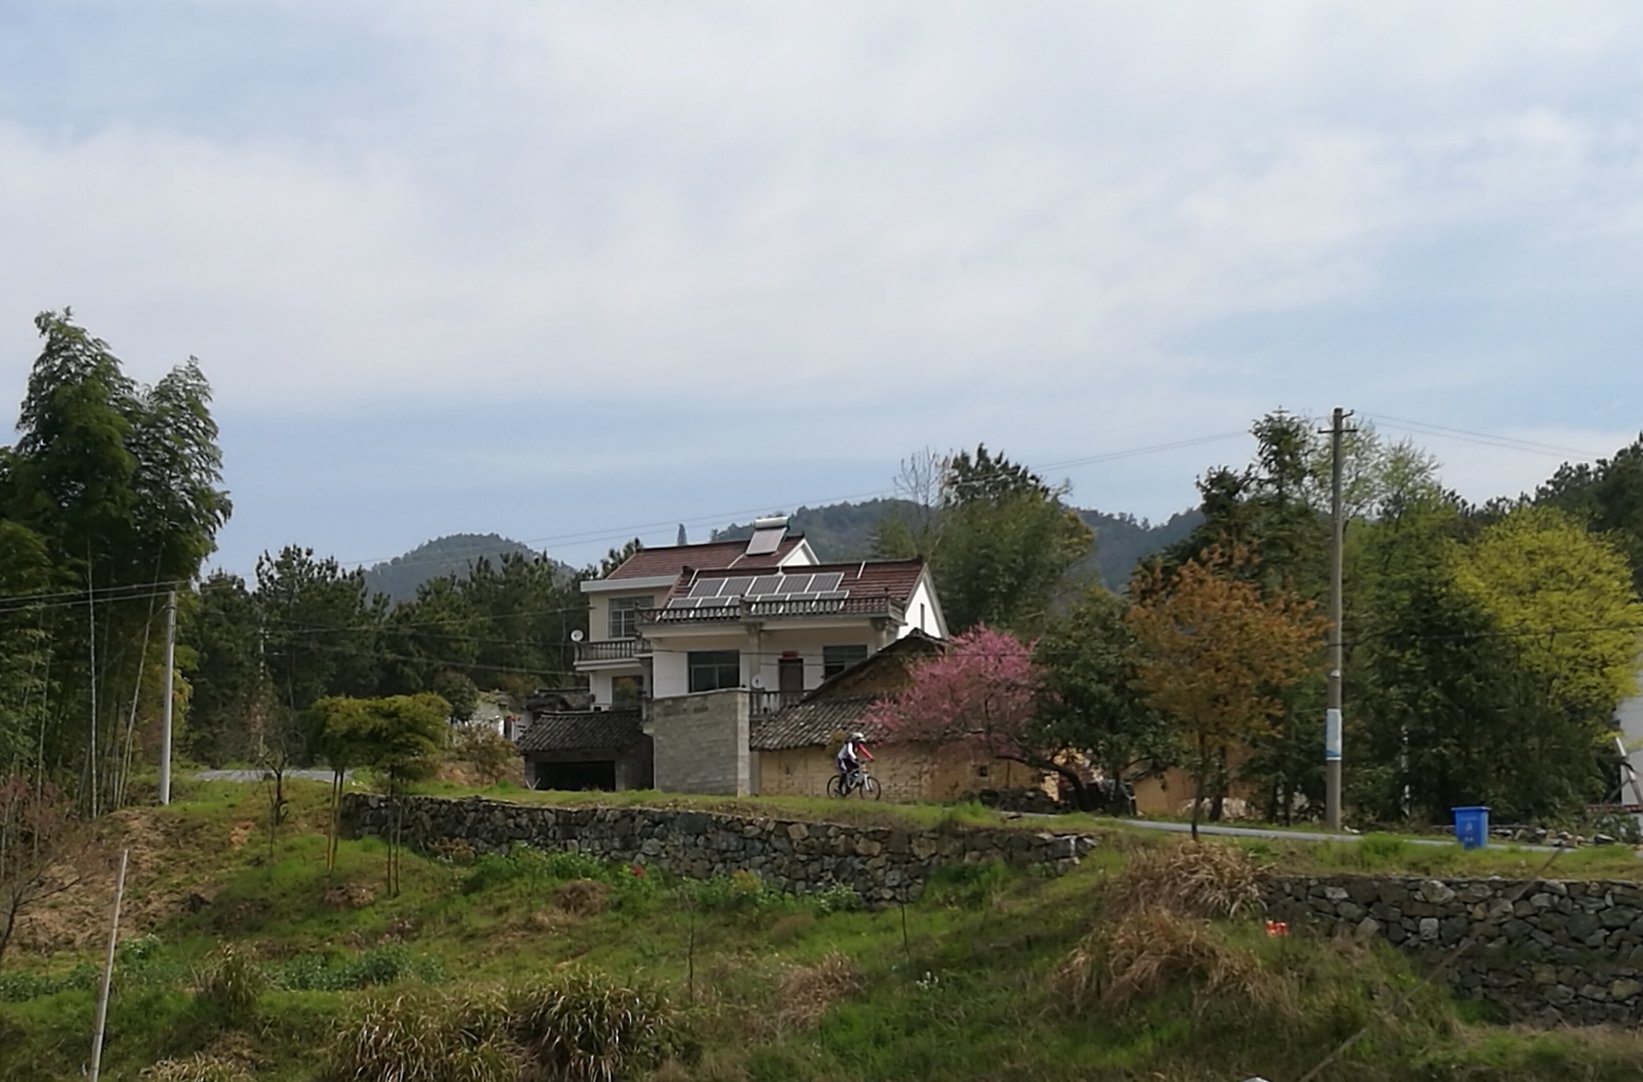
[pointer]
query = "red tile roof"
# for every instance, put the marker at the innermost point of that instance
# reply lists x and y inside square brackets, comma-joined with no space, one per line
[863,578]
[708,556]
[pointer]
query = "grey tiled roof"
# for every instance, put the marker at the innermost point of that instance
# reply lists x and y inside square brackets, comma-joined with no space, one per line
[815,721]
[581,729]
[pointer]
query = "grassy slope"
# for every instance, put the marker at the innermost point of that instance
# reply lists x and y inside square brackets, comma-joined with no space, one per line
[965,989]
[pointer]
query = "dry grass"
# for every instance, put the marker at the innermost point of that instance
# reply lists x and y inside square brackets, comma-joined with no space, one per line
[806,992]
[582,897]
[1152,947]
[580,1025]
[200,1067]
[461,1037]
[792,927]
[1193,879]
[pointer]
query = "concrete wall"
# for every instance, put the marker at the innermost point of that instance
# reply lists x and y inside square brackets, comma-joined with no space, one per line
[700,743]
[882,864]
[905,772]
[1549,952]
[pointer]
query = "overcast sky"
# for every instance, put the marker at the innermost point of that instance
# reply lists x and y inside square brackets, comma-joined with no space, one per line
[563,271]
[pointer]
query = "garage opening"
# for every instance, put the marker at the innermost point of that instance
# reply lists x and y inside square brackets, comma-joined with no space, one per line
[575,777]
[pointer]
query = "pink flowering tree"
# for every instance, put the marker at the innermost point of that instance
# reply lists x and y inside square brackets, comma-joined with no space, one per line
[982,691]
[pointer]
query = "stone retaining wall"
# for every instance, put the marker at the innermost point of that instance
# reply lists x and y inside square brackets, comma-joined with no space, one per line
[883,864]
[1565,952]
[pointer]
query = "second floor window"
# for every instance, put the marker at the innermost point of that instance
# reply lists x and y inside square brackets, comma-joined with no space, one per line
[712,670]
[836,659]
[624,616]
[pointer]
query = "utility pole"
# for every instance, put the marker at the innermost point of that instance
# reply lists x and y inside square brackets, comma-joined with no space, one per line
[1332,718]
[170,694]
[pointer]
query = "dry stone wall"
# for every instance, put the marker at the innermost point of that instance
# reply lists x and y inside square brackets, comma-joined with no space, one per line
[1552,952]
[883,864]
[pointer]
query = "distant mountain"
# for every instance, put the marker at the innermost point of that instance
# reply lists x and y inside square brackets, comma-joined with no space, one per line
[844,531]
[440,558]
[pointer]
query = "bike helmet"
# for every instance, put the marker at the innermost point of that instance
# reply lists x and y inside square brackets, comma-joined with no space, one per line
[858,736]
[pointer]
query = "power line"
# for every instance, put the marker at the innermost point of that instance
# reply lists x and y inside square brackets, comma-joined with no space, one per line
[1510,443]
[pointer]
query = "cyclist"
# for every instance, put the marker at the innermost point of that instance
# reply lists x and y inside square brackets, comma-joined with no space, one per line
[850,758]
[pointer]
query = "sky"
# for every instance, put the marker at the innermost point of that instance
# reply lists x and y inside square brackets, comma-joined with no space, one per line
[576,272]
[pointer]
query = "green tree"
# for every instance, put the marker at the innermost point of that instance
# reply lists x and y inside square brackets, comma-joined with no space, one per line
[221,627]
[1607,497]
[319,629]
[1089,697]
[1000,541]
[401,740]
[341,732]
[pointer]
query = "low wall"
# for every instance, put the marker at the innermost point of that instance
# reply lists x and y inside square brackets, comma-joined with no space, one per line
[883,864]
[1565,952]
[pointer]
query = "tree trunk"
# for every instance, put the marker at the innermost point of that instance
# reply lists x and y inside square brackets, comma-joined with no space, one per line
[1198,785]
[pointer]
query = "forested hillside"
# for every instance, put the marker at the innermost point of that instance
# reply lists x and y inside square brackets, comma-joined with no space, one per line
[846,531]
[451,556]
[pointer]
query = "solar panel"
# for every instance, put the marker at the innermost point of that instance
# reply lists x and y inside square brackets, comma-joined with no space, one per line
[735,587]
[827,580]
[794,584]
[765,542]
[764,585]
[833,595]
[682,603]
[715,602]
[705,588]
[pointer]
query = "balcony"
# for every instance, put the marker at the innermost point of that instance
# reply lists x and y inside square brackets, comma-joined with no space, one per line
[763,702]
[608,650]
[776,608]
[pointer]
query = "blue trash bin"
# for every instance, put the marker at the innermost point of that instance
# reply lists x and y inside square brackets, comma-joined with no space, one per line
[1472,826]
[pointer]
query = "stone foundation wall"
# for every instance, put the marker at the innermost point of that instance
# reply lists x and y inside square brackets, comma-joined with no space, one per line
[883,864]
[1564,952]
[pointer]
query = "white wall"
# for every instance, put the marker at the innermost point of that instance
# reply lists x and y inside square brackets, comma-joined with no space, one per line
[599,609]
[921,613]
[761,653]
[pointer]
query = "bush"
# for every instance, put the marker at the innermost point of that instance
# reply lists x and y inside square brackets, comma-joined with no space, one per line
[17,987]
[583,1026]
[230,983]
[424,1037]
[199,1067]
[379,966]
[523,863]
[492,756]
[583,897]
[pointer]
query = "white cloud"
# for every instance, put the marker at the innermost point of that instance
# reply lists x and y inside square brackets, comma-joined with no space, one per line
[708,208]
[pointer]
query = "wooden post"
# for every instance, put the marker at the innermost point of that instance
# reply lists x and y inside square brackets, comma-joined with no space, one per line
[108,969]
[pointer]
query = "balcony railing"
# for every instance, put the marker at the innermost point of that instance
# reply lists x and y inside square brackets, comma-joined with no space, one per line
[610,650]
[763,702]
[776,608]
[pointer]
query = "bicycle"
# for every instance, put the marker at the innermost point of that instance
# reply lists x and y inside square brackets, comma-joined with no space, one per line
[857,783]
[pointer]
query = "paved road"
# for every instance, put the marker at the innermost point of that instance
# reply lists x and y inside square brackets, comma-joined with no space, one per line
[258,775]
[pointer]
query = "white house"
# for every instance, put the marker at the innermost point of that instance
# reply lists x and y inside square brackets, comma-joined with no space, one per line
[698,640]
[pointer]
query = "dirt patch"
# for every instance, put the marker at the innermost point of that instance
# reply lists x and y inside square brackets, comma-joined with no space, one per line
[350,895]
[583,897]
[241,833]
[159,885]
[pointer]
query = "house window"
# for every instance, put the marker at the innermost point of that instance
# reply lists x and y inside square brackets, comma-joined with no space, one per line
[836,659]
[711,670]
[624,616]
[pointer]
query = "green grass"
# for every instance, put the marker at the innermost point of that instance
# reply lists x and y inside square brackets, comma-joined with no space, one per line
[960,986]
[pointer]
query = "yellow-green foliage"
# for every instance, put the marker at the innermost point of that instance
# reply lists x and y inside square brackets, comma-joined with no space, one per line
[1564,596]
[231,982]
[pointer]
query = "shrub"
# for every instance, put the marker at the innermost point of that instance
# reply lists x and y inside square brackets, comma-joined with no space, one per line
[230,983]
[199,1067]
[583,1026]
[1194,879]
[16,987]
[523,863]
[424,1037]
[835,898]
[379,966]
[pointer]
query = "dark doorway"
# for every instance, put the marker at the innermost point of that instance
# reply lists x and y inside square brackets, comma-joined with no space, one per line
[790,679]
[574,777]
